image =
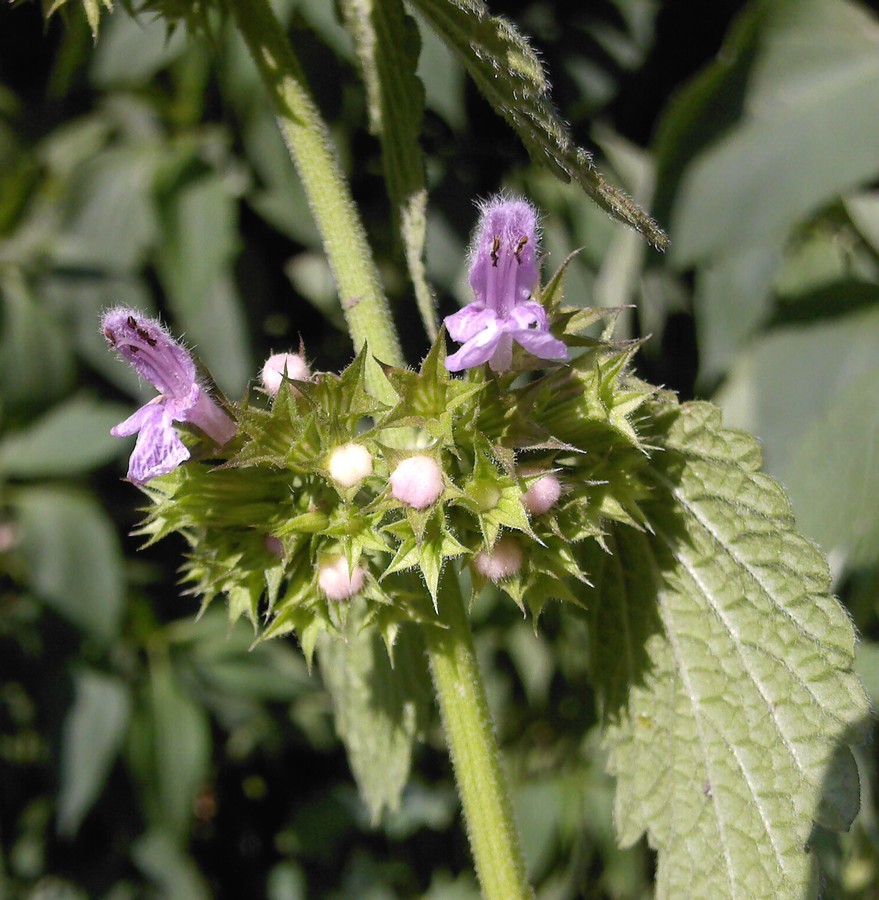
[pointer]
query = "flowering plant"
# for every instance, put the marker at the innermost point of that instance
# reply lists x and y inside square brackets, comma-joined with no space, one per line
[531,462]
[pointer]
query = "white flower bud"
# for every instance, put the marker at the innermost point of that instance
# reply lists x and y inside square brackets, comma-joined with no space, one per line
[543,494]
[335,580]
[279,364]
[417,481]
[502,561]
[349,464]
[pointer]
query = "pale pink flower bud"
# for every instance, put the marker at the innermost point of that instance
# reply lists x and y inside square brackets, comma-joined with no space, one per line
[279,364]
[349,464]
[417,481]
[502,561]
[274,545]
[542,495]
[336,581]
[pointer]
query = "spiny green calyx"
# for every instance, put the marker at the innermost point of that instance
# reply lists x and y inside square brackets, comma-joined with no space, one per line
[280,529]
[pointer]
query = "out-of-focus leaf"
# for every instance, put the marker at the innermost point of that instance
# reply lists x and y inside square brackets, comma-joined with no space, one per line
[72,438]
[733,296]
[867,667]
[387,44]
[110,219]
[133,49]
[224,660]
[724,666]
[508,72]
[199,239]
[809,394]
[280,199]
[864,212]
[199,242]
[72,556]
[36,363]
[286,881]
[536,804]
[443,80]
[93,734]
[160,858]
[833,475]
[379,710]
[310,275]
[181,748]
[809,121]
[77,301]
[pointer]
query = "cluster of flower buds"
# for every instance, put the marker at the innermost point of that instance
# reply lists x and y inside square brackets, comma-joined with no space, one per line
[323,487]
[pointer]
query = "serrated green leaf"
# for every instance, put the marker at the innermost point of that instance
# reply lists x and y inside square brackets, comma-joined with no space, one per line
[93,734]
[379,709]
[724,668]
[508,72]
[387,44]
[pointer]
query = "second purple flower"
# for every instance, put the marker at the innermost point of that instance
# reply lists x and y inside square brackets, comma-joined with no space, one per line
[503,275]
[166,364]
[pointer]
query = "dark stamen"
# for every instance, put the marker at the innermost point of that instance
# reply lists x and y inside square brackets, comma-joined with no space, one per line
[144,335]
[495,246]
[520,246]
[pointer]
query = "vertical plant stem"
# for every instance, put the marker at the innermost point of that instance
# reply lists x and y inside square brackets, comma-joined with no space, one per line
[488,813]
[344,238]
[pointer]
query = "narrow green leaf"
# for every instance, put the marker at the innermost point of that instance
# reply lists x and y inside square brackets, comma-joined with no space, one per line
[387,44]
[173,872]
[380,708]
[724,667]
[93,733]
[199,244]
[508,72]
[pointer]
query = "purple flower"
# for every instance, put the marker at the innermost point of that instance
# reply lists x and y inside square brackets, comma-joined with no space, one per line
[158,358]
[503,273]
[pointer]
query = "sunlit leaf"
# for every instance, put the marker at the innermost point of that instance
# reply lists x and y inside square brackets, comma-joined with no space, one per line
[724,668]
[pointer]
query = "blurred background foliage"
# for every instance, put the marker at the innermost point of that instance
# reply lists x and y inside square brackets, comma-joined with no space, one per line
[143,753]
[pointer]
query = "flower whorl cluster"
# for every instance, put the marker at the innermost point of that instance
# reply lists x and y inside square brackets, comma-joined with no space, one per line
[374,482]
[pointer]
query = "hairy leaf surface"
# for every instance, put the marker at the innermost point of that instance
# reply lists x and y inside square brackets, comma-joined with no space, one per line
[387,45]
[508,72]
[724,666]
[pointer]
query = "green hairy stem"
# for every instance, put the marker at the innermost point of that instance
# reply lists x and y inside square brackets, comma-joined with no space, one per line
[488,813]
[305,133]
[494,839]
